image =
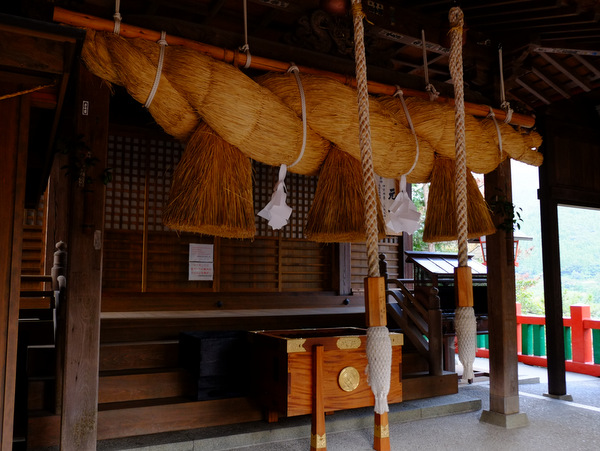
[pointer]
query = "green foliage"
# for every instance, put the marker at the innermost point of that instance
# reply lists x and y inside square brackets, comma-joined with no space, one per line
[529,295]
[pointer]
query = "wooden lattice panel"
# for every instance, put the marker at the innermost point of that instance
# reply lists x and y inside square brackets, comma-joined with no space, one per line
[141,178]
[300,193]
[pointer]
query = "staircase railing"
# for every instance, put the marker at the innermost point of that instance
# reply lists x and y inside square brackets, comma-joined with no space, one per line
[419,316]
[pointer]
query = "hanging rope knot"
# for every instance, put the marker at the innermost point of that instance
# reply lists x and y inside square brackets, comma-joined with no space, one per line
[456,18]
[357,11]
[509,111]
[433,93]
[399,92]
[246,50]
[293,69]
[163,39]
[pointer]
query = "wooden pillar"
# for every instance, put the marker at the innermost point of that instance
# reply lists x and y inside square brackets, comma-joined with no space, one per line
[504,377]
[14,129]
[555,340]
[84,274]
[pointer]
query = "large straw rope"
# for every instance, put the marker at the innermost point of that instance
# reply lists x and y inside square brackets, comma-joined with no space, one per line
[465,316]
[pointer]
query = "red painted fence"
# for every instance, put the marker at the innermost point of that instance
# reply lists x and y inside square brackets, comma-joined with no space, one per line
[582,341]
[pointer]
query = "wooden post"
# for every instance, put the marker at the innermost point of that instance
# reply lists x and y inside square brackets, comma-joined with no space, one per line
[580,336]
[555,341]
[84,274]
[14,129]
[504,383]
[318,441]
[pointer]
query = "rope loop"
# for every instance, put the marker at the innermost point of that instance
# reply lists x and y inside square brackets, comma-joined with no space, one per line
[246,47]
[493,116]
[400,93]
[161,57]
[433,93]
[294,70]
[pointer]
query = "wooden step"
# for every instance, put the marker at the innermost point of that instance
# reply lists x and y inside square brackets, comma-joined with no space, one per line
[419,386]
[151,419]
[139,355]
[145,385]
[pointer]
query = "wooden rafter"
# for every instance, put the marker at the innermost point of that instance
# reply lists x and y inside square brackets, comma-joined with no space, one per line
[565,71]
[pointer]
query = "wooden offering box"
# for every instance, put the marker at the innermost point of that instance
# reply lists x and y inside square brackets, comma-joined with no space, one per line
[285,370]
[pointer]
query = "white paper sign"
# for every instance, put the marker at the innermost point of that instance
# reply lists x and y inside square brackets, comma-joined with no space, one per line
[387,194]
[200,262]
[200,271]
[201,252]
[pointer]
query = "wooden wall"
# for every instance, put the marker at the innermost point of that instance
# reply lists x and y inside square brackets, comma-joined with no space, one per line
[143,256]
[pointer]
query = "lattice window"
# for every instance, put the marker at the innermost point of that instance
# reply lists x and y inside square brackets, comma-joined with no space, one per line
[141,177]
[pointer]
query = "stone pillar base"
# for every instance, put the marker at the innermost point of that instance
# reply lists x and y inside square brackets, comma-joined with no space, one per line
[507,421]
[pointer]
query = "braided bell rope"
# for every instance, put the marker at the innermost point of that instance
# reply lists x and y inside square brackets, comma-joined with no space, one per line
[366,152]
[456,70]
[466,326]
[379,348]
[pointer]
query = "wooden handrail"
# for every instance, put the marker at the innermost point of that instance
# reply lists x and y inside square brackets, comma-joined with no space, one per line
[584,345]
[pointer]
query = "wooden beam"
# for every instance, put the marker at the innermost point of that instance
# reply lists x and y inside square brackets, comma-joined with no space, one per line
[550,83]
[84,274]
[504,383]
[14,130]
[565,71]
[532,91]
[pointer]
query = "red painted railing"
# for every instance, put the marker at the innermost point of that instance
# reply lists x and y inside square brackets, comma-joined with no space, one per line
[582,341]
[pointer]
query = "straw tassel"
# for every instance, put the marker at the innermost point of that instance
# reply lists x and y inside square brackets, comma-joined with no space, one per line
[440,220]
[211,192]
[337,212]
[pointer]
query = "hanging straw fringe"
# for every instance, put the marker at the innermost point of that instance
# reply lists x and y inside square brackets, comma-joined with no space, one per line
[211,191]
[337,213]
[440,220]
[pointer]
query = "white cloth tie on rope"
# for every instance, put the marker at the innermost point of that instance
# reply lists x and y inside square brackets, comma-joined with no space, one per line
[161,57]
[277,211]
[117,17]
[403,214]
[379,356]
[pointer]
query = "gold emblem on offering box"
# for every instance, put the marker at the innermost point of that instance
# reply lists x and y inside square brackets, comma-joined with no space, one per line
[349,379]
[397,339]
[296,345]
[348,343]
